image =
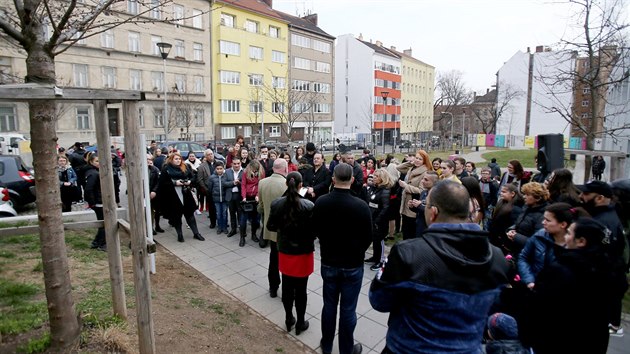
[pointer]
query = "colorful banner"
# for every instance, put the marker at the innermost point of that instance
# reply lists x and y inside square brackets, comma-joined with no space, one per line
[529,141]
[499,141]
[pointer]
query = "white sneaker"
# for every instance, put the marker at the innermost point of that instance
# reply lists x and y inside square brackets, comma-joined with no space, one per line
[197,212]
[615,332]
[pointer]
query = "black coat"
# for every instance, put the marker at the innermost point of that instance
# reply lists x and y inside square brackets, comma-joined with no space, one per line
[92,186]
[293,238]
[526,225]
[320,182]
[171,207]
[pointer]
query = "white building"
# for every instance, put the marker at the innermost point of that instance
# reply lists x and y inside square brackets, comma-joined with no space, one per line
[618,115]
[535,76]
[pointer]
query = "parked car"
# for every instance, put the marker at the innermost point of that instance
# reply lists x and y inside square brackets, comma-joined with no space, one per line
[18,179]
[406,144]
[6,206]
[184,147]
[10,142]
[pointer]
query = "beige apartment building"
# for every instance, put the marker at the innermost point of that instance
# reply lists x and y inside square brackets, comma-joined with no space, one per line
[127,58]
[418,84]
[311,79]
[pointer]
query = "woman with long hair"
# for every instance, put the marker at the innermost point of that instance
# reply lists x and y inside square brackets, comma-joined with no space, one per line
[290,165]
[299,153]
[244,155]
[562,189]
[336,159]
[233,152]
[249,196]
[515,174]
[377,196]
[414,171]
[477,204]
[504,215]
[93,197]
[67,183]
[290,217]
[176,198]
[448,171]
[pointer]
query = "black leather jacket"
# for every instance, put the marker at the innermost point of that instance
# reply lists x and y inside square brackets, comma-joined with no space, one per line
[294,238]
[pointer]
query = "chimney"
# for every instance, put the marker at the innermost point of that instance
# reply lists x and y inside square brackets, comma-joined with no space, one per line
[269,3]
[528,49]
[312,18]
[379,43]
[539,48]
[360,36]
[407,52]
[487,91]
[392,48]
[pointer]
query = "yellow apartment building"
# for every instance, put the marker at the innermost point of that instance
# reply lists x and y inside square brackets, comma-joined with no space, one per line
[249,42]
[418,83]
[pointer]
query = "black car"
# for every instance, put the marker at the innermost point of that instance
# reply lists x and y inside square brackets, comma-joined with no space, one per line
[18,179]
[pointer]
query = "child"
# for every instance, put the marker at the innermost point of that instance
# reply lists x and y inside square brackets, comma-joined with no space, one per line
[218,186]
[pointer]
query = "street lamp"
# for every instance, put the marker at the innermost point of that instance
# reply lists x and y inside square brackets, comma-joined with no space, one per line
[165,48]
[384,94]
[463,126]
[451,124]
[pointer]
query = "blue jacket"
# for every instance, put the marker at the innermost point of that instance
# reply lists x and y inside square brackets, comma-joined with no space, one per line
[537,253]
[218,187]
[438,289]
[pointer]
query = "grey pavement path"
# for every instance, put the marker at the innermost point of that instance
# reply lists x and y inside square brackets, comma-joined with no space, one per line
[242,272]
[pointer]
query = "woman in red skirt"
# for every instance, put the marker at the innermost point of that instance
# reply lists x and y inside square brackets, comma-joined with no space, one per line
[290,217]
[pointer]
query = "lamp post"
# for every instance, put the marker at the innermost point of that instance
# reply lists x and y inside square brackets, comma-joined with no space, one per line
[463,126]
[384,94]
[451,124]
[165,48]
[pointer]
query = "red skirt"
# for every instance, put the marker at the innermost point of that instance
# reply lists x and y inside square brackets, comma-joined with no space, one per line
[296,265]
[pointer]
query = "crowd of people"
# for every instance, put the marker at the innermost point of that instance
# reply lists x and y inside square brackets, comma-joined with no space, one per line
[486,255]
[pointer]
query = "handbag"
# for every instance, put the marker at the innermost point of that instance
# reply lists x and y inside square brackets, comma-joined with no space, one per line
[247,206]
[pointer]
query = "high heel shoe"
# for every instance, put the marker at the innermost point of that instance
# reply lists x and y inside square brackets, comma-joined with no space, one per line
[299,328]
[290,322]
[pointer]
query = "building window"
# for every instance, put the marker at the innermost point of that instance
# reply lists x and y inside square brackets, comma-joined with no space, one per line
[321,87]
[154,41]
[255,53]
[247,131]
[134,42]
[227,20]
[322,108]
[277,107]
[198,51]
[157,80]
[232,48]
[586,90]
[301,63]
[135,80]
[83,118]
[230,106]
[322,67]
[274,32]
[132,7]
[228,132]
[586,115]
[78,37]
[199,137]
[255,79]
[80,75]
[301,85]
[585,103]
[278,82]
[300,41]
[178,14]
[197,19]
[251,26]
[321,46]
[158,117]
[107,39]
[8,120]
[274,131]
[198,84]
[180,83]
[198,115]
[141,117]
[109,76]
[300,107]
[155,11]
[230,77]
[278,57]
[255,106]
[180,49]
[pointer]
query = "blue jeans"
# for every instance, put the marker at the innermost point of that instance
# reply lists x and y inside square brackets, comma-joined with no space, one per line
[344,284]
[222,214]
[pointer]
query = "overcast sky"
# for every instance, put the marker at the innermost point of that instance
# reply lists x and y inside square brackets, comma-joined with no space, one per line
[473,36]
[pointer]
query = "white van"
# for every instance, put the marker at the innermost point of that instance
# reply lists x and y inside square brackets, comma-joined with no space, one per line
[10,143]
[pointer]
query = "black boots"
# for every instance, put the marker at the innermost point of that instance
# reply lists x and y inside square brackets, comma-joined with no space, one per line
[232,233]
[241,243]
[301,327]
[290,322]
[254,237]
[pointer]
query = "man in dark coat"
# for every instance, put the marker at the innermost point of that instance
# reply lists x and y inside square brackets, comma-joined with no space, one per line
[357,173]
[204,171]
[320,183]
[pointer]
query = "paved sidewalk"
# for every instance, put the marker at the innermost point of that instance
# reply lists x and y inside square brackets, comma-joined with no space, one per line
[242,272]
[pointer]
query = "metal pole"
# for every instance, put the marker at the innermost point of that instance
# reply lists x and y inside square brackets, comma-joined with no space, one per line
[383,122]
[262,120]
[463,126]
[166,122]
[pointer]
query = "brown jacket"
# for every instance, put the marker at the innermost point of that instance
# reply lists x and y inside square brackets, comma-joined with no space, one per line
[413,178]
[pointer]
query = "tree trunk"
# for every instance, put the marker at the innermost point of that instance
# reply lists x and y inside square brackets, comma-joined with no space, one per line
[64,324]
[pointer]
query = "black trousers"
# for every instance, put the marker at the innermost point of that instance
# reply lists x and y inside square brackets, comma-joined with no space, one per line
[234,209]
[408,227]
[212,210]
[99,239]
[294,290]
[273,274]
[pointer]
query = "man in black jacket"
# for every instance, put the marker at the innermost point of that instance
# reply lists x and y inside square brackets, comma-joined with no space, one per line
[320,183]
[357,173]
[438,288]
[342,249]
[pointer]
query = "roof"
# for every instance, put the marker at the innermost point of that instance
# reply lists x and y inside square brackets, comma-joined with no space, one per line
[380,49]
[489,97]
[257,6]
[303,24]
[403,55]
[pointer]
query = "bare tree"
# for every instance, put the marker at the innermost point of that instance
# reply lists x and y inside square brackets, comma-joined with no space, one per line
[601,45]
[367,120]
[488,112]
[44,29]
[451,91]
[183,113]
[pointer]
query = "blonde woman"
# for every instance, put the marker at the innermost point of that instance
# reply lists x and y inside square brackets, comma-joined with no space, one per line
[377,197]
[414,169]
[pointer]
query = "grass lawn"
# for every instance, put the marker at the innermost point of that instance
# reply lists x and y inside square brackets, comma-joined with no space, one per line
[525,156]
